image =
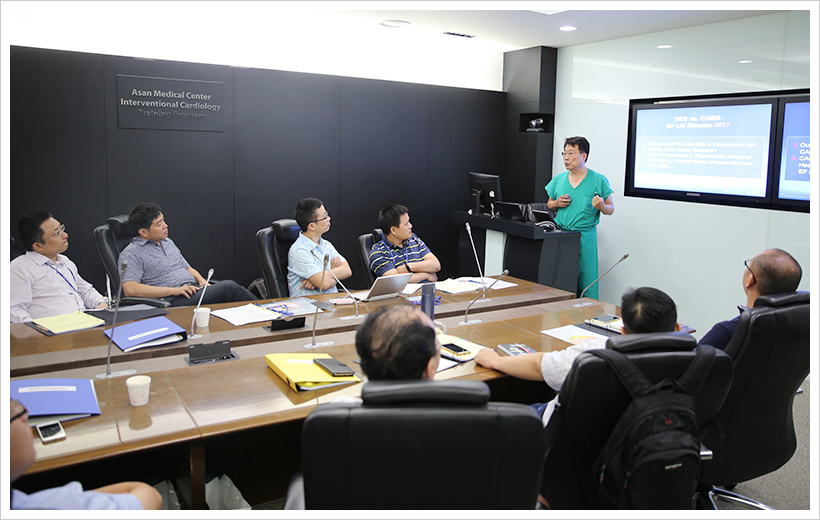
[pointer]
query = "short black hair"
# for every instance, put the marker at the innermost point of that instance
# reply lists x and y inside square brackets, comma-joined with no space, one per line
[305,211]
[143,215]
[776,272]
[30,229]
[390,216]
[647,310]
[394,344]
[580,142]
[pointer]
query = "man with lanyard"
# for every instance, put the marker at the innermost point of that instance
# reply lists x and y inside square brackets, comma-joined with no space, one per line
[45,282]
[402,251]
[307,254]
[578,197]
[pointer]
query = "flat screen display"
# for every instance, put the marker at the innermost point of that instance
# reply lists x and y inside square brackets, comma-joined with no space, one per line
[795,153]
[721,149]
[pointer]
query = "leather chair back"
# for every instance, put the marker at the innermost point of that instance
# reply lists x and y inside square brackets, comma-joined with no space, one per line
[754,432]
[272,246]
[422,445]
[366,242]
[111,238]
[593,398]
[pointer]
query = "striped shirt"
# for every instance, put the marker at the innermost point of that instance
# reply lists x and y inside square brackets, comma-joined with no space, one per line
[385,256]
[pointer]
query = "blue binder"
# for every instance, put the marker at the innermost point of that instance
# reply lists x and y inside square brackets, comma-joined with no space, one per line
[146,333]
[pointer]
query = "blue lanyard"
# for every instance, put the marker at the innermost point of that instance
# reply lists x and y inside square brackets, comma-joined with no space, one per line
[66,279]
[389,247]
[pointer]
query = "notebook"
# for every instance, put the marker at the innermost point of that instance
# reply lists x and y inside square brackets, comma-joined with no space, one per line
[384,287]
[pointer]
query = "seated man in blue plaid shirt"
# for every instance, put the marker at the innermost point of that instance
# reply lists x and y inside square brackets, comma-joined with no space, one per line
[401,251]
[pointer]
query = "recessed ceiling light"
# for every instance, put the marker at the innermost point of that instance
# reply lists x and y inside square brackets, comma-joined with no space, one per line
[394,24]
[745,61]
[664,46]
[567,28]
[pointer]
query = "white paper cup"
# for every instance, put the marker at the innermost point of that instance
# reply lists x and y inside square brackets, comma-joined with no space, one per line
[203,316]
[138,389]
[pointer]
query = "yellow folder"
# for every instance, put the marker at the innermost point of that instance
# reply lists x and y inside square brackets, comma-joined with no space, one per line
[300,372]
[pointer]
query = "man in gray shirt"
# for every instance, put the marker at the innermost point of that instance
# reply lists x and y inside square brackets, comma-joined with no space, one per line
[157,269]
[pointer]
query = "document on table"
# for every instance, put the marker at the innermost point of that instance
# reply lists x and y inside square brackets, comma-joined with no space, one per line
[451,286]
[573,334]
[500,284]
[245,314]
[65,323]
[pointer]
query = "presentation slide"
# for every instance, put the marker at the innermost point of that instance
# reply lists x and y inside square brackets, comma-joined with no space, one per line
[795,158]
[715,149]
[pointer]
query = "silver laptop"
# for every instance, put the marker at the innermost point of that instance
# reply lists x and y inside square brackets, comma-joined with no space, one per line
[384,287]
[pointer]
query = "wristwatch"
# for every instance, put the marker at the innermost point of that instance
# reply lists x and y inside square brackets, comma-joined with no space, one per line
[407,265]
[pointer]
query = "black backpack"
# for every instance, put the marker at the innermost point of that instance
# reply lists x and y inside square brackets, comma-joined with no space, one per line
[652,458]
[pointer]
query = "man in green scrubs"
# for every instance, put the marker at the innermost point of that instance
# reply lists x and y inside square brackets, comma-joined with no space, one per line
[577,197]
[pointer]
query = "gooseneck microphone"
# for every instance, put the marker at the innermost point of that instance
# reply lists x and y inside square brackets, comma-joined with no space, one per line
[480,274]
[108,373]
[313,343]
[504,273]
[355,301]
[608,270]
[193,320]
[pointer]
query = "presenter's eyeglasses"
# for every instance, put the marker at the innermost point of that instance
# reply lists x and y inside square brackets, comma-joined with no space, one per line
[568,154]
[18,414]
[746,263]
[320,219]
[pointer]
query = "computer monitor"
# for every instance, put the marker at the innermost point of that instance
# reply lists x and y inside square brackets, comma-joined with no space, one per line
[485,190]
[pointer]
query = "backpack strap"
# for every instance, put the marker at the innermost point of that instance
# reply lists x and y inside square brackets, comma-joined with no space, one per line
[691,380]
[627,372]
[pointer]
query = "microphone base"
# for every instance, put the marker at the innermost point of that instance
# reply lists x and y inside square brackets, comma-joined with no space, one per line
[585,304]
[194,336]
[470,322]
[116,374]
[482,300]
[356,317]
[321,344]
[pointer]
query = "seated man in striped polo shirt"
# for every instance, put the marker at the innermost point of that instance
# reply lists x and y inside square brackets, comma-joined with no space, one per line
[402,251]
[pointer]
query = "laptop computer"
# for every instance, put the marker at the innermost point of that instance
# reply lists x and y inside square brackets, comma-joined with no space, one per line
[544,219]
[509,210]
[384,287]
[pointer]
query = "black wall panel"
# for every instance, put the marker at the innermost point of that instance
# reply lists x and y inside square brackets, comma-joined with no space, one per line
[356,144]
[384,153]
[286,149]
[188,173]
[465,136]
[58,147]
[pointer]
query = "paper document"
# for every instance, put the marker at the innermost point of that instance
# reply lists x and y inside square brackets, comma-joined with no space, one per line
[573,334]
[410,288]
[500,284]
[67,323]
[294,307]
[244,314]
[451,286]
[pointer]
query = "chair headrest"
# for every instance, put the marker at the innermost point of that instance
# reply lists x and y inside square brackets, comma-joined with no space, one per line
[378,235]
[783,299]
[662,341]
[286,229]
[119,223]
[398,392]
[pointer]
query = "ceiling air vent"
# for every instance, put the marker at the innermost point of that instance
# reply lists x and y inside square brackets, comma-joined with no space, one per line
[460,35]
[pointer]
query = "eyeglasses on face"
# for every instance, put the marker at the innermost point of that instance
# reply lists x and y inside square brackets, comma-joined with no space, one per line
[18,414]
[746,263]
[59,232]
[568,154]
[320,219]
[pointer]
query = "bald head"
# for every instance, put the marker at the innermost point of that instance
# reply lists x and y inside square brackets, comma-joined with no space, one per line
[775,271]
[396,342]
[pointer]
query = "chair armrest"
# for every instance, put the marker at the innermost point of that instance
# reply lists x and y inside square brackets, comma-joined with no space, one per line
[137,300]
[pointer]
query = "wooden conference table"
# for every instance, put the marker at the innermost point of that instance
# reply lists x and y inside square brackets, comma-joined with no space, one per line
[240,418]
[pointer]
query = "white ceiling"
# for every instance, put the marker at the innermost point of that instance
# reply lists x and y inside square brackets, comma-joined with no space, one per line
[521,29]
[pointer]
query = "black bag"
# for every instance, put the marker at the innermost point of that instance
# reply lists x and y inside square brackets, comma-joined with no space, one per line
[652,458]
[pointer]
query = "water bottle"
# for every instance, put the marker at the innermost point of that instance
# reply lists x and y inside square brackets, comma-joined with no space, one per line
[428,295]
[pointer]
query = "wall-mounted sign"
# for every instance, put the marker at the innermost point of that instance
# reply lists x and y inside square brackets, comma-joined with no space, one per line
[170,104]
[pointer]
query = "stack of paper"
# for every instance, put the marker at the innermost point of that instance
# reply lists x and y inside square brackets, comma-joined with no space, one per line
[495,282]
[451,286]
[573,334]
[245,314]
[300,372]
[56,399]
[70,322]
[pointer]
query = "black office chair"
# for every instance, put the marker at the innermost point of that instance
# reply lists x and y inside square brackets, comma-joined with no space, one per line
[754,432]
[16,249]
[420,445]
[593,398]
[110,239]
[366,242]
[272,246]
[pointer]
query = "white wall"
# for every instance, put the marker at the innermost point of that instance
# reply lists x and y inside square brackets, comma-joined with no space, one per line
[693,252]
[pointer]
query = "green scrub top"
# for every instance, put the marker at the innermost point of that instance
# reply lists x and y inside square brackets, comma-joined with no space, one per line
[581,216]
